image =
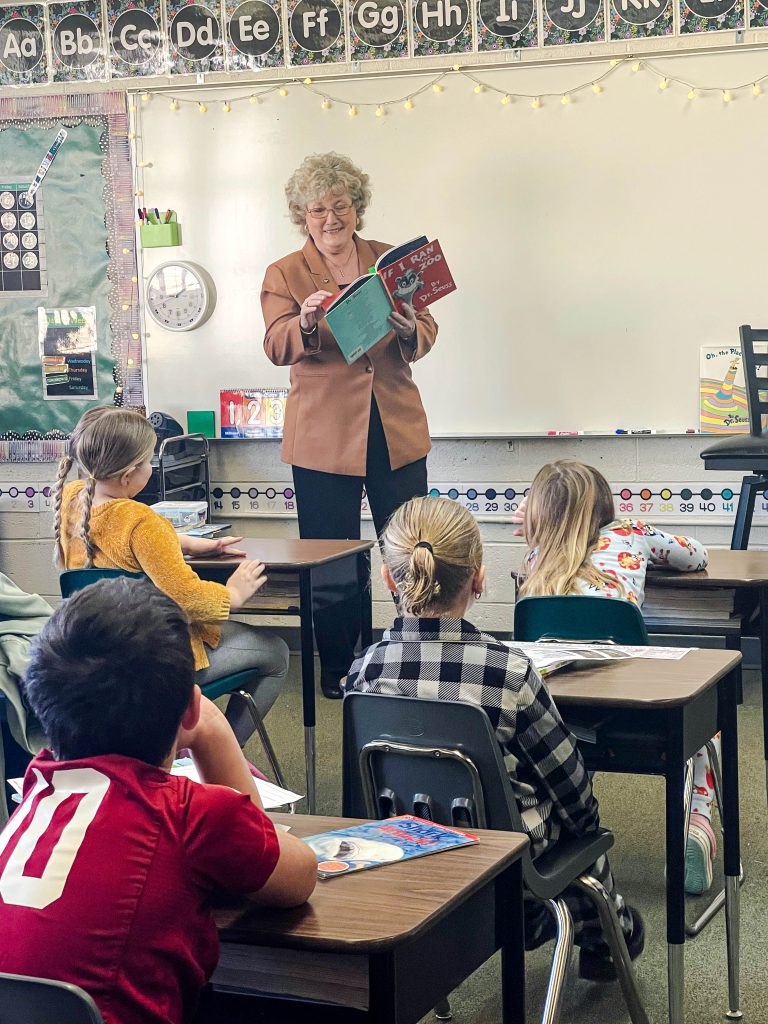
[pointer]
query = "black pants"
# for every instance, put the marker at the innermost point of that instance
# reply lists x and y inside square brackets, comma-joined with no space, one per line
[329,509]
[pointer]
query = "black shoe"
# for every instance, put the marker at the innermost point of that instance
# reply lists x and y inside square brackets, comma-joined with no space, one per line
[597,965]
[331,685]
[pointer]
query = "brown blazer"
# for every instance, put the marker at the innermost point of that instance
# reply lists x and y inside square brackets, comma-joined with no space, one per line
[329,404]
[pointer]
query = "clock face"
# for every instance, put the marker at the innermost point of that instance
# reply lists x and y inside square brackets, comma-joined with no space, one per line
[178,297]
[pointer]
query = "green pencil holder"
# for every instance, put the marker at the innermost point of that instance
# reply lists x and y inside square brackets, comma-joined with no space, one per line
[155,235]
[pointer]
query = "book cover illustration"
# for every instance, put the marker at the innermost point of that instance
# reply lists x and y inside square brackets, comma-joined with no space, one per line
[382,842]
[722,391]
[415,273]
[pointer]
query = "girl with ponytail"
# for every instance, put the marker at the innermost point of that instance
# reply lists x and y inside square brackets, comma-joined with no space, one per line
[433,563]
[97,523]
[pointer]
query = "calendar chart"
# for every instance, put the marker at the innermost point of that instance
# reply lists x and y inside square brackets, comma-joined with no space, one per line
[22,242]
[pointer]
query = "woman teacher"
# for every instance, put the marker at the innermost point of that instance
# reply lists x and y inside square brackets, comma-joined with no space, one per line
[345,426]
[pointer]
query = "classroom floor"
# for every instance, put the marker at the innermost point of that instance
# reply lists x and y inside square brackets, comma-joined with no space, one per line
[633,807]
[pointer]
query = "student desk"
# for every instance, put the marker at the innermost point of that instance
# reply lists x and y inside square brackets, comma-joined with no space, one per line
[303,575]
[649,717]
[740,570]
[382,946]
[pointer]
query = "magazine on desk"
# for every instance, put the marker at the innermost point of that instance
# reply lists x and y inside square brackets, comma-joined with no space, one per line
[548,656]
[414,273]
[360,847]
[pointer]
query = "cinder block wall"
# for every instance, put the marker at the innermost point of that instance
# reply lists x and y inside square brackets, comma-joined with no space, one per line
[25,537]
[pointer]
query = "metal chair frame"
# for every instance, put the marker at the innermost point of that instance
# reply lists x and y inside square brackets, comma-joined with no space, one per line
[29,1000]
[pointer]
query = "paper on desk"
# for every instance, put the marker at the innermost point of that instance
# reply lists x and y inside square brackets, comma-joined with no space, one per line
[549,656]
[271,796]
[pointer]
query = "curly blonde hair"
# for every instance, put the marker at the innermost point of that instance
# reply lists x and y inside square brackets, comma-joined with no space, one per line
[320,174]
[432,547]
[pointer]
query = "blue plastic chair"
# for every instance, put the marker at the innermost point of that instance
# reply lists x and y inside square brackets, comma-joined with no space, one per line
[237,684]
[573,617]
[26,1000]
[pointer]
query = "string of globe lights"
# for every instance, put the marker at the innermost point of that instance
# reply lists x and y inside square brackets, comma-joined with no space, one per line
[480,84]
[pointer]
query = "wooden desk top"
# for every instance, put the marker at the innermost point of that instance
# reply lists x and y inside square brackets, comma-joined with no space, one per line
[288,553]
[643,682]
[374,909]
[726,569]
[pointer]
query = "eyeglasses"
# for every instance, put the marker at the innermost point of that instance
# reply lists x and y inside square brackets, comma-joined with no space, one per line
[321,212]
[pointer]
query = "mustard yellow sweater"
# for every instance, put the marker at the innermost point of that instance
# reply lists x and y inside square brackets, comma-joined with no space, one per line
[128,535]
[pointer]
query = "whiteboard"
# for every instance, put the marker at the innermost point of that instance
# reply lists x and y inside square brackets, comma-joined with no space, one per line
[596,246]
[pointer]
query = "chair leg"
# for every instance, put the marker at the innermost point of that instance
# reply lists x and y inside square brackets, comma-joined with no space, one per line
[443,1010]
[561,957]
[719,901]
[266,743]
[617,944]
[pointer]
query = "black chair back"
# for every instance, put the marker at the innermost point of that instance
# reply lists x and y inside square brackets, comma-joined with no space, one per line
[42,1001]
[753,362]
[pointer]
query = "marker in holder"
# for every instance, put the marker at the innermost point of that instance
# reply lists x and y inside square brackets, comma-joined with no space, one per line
[157,231]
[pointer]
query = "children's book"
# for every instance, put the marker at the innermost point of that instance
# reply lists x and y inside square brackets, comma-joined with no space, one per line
[382,842]
[548,656]
[722,391]
[415,273]
[252,412]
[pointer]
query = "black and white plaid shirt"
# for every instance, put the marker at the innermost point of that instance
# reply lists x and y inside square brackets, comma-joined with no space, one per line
[449,659]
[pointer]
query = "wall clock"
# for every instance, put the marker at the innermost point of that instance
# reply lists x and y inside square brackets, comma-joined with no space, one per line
[180,295]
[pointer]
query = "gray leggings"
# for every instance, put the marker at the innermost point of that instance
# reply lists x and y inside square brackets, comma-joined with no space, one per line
[247,647]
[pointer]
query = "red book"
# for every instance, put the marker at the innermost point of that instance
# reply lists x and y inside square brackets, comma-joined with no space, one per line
[415,273]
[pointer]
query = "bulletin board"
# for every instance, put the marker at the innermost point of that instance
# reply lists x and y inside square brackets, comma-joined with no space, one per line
[68,285]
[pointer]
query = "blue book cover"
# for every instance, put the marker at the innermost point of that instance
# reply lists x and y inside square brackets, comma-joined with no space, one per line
[382,842]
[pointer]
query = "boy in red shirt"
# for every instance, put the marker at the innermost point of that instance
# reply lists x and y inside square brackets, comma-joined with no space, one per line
[108,865]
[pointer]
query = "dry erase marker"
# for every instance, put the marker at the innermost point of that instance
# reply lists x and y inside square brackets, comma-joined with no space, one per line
[25,199]
[620,431]
[642,431]
[564,433]
[167,216]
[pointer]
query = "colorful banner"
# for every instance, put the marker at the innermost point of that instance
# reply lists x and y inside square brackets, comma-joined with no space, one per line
[77,41]
[315,32]
[137,45]
[506,24]
[254,35]
[23,56]
[70,42]
[641,19]
[711,15]
[573,21]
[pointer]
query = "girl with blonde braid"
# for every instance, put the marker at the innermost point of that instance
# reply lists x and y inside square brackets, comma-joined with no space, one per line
[98,524]
[433,562]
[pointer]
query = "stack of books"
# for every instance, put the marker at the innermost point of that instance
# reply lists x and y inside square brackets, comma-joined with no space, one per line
[679,604]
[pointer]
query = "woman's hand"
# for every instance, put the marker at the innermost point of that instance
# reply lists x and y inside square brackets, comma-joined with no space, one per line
[247,578]
[209,546]
[403,324]
[519,517]
[312,311]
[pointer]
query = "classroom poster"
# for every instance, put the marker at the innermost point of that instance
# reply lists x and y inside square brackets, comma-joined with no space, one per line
[441,27]
[378,29]
[77,41]
[316,32]
[67,346]
[254,38]
[23,55]
[506,24]
[722,392]
[137,43]
[641,19]
[711,15]
[195,38]
[573,21]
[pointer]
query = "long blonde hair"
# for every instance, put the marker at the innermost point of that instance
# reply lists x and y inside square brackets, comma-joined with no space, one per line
[106,442]
[432,548]
[568,504]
